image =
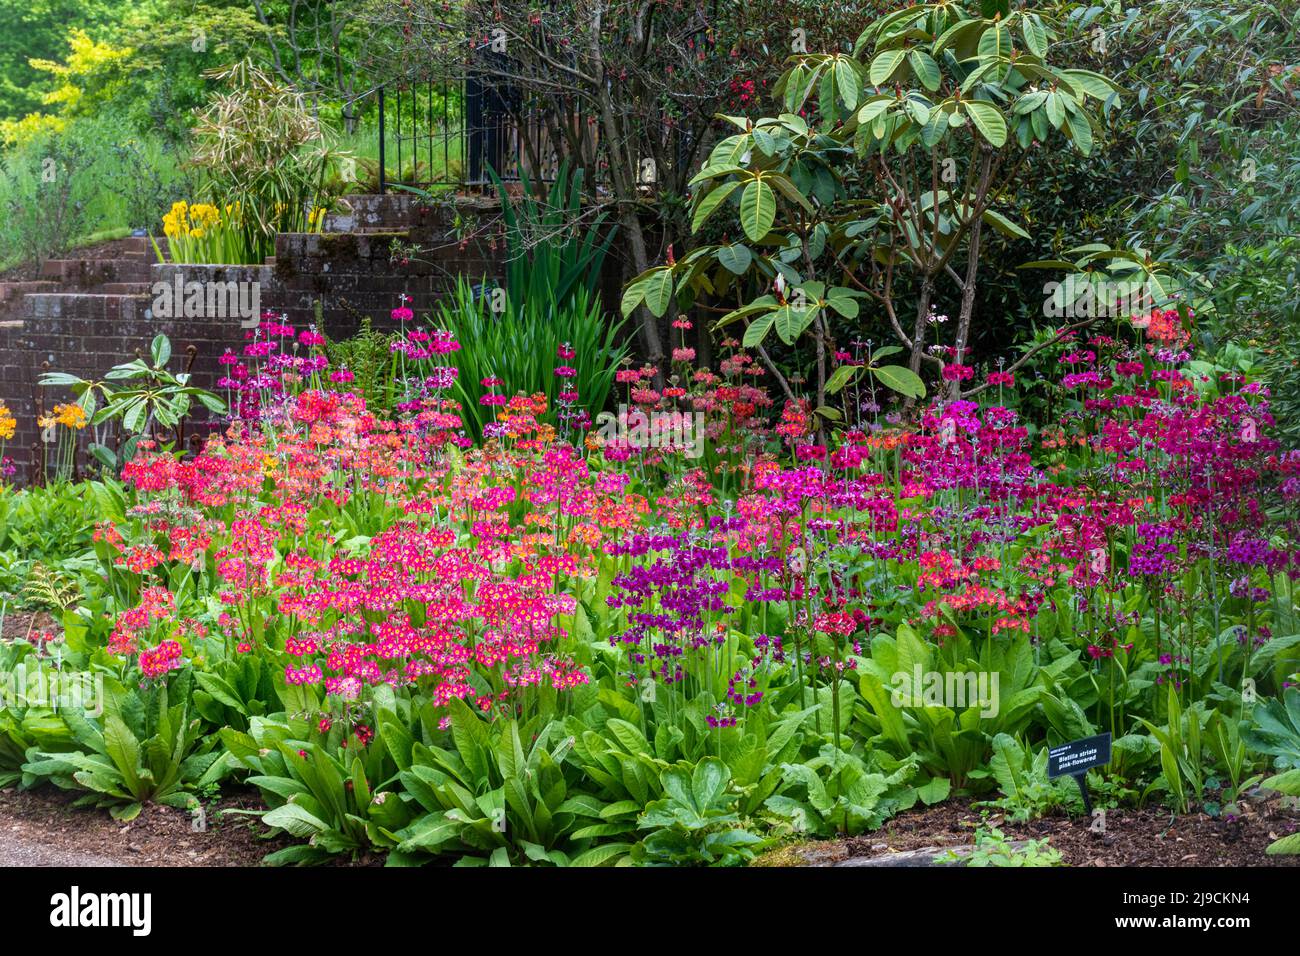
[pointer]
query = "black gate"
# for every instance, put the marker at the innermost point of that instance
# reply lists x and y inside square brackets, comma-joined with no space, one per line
[450,133]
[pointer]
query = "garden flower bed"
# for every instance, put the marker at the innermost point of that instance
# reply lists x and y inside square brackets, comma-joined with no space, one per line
[559,647]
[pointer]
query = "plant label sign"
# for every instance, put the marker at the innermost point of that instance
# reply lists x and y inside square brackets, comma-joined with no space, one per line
[1076,758]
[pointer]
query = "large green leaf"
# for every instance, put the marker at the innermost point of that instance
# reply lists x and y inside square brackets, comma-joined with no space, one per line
[1004,225]
[847,84]
[900,379]
[735,258]
[757,209]
[758,329]
[884,65]
[988,120]
[160,350]
[124,750]
[295,820]
[926,70]
[1031,28]
[709,782]
[710,202]
[841,377]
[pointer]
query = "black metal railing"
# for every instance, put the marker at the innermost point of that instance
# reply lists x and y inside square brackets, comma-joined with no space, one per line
[450,133]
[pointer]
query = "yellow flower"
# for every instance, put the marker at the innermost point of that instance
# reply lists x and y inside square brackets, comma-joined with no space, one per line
[8,424]
[72,416]
[203,214]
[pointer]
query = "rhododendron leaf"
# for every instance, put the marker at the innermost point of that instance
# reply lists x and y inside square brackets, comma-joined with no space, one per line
[899,379]
[758,329]
[841,377]
[844,305]
[847,82]
[1031,28]
[713,172]
[875,106]
[799,86]
[884,65]
[212,403]
[160,350]
[1055,109]
[791,192]
[791,322]
[996,40]
[133,414]
[710,202]
[757,209]
[1049,264]
[926,70]
[963,31]
[648,288]
[1093,84]
[988,120]
[735,258]
[58,379]
[1004,225]
[659,291]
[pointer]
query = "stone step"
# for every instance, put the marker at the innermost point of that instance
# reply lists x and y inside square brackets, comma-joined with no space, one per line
[44,306]
[86,273]
[12,292]
[925,856]
[139,247]
[124,288]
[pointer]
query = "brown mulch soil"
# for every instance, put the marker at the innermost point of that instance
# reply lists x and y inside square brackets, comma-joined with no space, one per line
[159,836]
[1146,837]
[17,624]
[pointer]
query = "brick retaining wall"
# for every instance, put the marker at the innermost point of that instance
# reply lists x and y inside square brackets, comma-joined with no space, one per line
[350,274]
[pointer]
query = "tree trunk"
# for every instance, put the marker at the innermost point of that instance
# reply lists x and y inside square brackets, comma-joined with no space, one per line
[967,302]
[622,175]
[922,318]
